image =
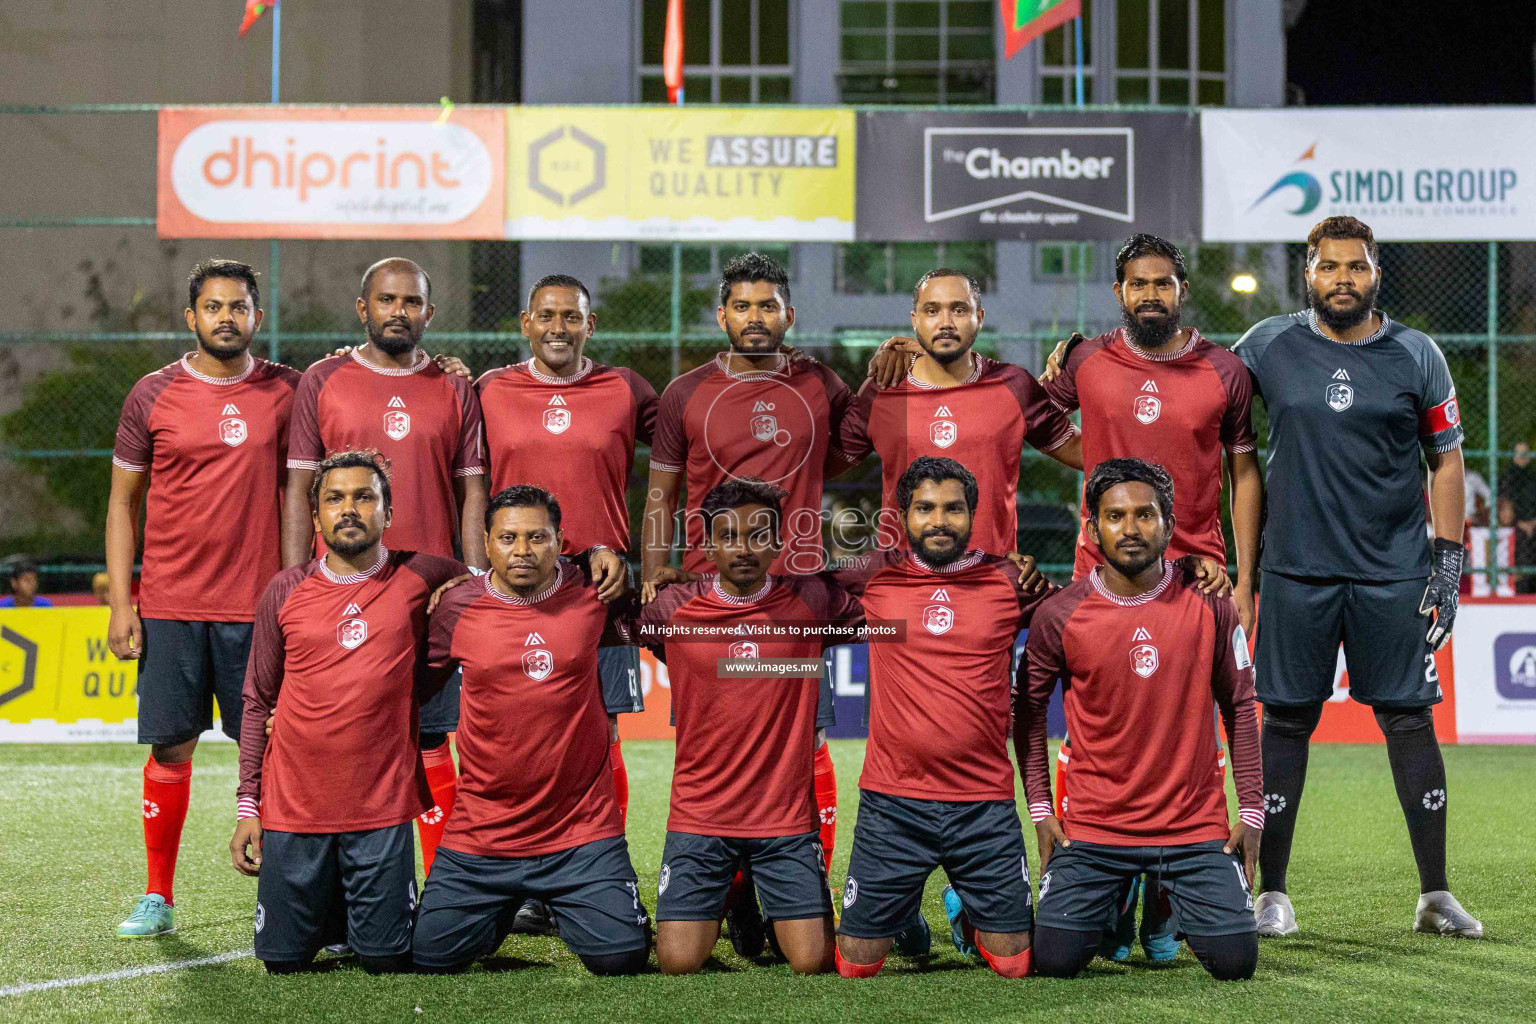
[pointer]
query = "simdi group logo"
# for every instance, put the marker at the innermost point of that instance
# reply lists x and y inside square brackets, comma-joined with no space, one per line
[332,172]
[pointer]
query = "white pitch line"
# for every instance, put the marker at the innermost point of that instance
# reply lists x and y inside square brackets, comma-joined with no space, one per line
[132,972]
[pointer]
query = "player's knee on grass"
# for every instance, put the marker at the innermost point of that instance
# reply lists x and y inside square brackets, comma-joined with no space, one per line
[611,964]
[861,953]
[806,943]
[1396,721]
[400,963]
[1227,957]
[1062,952]
[1298,722]
[682,947]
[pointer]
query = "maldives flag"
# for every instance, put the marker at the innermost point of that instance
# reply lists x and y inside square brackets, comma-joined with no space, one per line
[672,52]
[1023,20]
[254,9]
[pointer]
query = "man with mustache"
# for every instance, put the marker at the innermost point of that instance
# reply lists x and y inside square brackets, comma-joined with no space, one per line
[1356,401]
[937,788]
[325,804]
[388,395]
[751,411]
[1142,655]
[202,436]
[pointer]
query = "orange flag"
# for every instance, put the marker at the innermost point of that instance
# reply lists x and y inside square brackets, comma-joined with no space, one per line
[254,9]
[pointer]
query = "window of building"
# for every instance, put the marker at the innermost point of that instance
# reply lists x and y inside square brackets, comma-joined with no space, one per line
[918,51]
[893,268]
[1063,259]
[734,51]
[1058,61]
[1171,52]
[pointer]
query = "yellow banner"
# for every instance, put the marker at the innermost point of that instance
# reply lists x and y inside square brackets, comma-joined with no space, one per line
[648,173]
[58,680]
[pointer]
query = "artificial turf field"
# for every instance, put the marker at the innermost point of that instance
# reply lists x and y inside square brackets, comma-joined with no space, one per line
[71,865]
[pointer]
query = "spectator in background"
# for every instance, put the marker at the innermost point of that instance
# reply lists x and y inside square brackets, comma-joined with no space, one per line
[23,576]
[1479,495]
[102,588]
[1519,482]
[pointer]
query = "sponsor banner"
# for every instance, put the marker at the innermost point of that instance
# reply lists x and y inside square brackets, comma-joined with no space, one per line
[680,173]
[1412,174]
[1076,175]
[58,681]
[337,172]
[1496,666]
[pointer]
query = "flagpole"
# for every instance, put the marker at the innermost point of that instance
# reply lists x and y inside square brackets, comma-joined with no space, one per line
[1077,46]
[675,34]
[1082,247]
[274,336]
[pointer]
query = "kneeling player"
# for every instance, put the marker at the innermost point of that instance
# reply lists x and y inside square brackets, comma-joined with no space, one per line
[1142,655]
[326,804]
[742,790]
[536,816]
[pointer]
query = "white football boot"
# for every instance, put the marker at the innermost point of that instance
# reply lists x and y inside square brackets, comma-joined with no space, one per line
[1274,914]
[1439,912]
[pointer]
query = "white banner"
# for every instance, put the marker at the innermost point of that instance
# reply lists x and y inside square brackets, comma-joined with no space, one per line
[1495,647]
[1412,174]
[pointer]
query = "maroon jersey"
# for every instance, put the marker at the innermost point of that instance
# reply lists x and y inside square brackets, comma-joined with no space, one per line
[1140,674]
[1179,409]
[573,436]
[939,705]
[335,659]
[781,425]
[533,735]
[425,421]
[210,445]
[982,424]
[744,744]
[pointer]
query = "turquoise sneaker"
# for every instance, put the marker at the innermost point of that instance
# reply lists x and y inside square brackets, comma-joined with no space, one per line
[956,913]
[1160,949]
[1116,945]
[151,916]
[916,939]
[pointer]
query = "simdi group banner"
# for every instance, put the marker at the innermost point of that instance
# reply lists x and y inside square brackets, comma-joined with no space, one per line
[1412,174]
[649,173]
[330,172]
[1073,176]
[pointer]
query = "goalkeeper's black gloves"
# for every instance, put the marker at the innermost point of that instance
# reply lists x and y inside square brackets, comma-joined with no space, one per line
[1442,594]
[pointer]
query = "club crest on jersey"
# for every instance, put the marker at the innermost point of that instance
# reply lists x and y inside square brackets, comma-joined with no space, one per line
[943,433]
[232,431]
[397,424]
[1144,660]
[538,663]
[938,619]
[765,427]
[742,649]
[351,633]
[1148,408]
[1340,397]
[557,420]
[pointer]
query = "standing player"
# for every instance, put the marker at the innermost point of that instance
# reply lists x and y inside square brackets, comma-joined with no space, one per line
[325,803]
[742,784]
[564,423]
[204,435]
[1353,400]
[752,411]
[959,405]
[1142,655]
[537,815]
[388,395]
[937,787]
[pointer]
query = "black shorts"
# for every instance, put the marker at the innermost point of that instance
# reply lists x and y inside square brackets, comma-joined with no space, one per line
[898,841]
[470,900]
[441,713]
[183,668]
[1302,621]
[618,669]
[1084,883]
[311,882]
[696,871]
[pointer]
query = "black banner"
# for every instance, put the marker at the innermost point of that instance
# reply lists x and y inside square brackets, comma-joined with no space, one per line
[1063,175]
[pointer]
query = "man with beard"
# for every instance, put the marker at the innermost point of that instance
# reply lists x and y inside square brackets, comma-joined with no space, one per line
[537,816]
[324,805]
[964,406]
[1142,655]
[388,395]
[203,436]
[1355,400]
[752,411]
[937,788]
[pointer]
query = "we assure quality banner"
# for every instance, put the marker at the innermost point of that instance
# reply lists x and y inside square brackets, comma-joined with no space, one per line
[58,681]
[645,173]
[1080,175]
[1412,174]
